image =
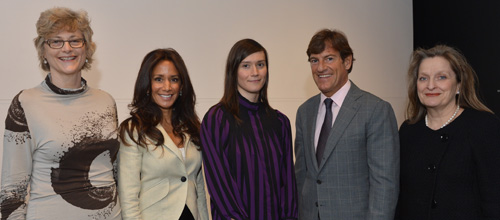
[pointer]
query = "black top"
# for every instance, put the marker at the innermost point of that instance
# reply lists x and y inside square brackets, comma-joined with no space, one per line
[453,172]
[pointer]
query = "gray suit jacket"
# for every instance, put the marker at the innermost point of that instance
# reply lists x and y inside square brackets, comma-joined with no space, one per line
[358,177]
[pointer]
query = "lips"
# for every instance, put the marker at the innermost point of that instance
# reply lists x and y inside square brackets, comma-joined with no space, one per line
[324,75]
[166,96]
[432,94]
[67,58]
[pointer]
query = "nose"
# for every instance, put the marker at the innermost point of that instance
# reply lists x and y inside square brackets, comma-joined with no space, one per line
[431,84]
[321,66]
[66,46]
[254,71]
[167,85]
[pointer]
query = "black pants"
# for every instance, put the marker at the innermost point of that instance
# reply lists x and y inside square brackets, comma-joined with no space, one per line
[186,214]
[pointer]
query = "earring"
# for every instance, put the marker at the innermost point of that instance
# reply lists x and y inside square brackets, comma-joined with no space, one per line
[180,93]
[458,92]
[86,60]
[44,61]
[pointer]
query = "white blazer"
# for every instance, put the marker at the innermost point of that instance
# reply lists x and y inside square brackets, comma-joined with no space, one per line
[157,184]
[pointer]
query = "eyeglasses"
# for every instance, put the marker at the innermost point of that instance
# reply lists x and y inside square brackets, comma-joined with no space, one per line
[58,44]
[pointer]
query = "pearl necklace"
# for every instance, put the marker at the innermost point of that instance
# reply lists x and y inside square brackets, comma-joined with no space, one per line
[447,122]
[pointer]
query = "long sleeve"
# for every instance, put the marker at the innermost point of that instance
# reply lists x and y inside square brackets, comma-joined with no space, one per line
[18,147]
[485,142]
[129,182]
[300,160]
[288,190]
[383,161]
[61,145]
[221,185]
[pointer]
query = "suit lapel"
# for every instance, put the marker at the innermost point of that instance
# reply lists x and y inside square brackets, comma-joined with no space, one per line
[169,144]
[346,114]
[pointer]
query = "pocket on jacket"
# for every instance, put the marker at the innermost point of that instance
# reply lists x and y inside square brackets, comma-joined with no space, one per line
[154,194]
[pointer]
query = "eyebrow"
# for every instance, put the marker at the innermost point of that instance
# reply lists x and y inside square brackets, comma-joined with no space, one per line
[252,61]
[70,37]
[317,56]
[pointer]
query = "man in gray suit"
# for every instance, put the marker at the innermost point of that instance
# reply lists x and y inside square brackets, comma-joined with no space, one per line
[346,145]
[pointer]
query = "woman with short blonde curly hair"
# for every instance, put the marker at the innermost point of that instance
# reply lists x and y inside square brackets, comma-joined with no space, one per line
[60,138]
[57,19]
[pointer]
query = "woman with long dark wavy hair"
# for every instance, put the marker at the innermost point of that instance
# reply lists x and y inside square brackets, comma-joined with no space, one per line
[159,169]
[247,147]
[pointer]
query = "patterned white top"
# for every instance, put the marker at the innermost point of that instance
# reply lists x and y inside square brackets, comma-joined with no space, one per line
[63,145]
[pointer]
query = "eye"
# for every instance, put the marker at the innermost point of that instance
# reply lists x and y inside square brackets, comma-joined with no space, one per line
[422,78]
[158,79]
[55,43]
[442,77]
[329,59]
[76,42]
[245,66]
[261,65]
[313,60]
[175,79]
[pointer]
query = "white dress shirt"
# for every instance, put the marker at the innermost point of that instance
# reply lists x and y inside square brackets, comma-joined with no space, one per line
[338,99]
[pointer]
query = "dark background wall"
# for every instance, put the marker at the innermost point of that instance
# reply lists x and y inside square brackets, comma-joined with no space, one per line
[473,27]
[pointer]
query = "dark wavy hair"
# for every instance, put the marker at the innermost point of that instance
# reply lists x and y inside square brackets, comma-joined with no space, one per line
[333,38]
[146,114]
[237,54]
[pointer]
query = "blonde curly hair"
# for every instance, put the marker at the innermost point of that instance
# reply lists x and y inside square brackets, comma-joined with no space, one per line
[58,19]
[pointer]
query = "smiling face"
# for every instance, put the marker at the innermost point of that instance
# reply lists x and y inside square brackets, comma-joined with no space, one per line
[66,61]
[165,85]
[329,70]
[437,84]
[252,73]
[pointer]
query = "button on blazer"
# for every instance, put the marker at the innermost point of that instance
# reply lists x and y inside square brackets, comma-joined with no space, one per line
[157,183]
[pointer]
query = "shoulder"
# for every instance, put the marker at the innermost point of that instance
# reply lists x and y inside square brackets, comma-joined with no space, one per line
[24,100]
[282,117]
[101,94]
[127,124]
[16,118]
[310,103]
[411,134]
[280,114]
[217,109]
[30,94]
[406,127]
[476,114]
[215,115]
[480,119]
[365,97]
[16,99]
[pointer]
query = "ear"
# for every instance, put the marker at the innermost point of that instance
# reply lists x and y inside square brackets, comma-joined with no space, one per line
[348,62]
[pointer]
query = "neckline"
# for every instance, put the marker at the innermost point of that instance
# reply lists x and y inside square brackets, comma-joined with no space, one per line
[449,125]
[62,91]
[248,104]
[447,122]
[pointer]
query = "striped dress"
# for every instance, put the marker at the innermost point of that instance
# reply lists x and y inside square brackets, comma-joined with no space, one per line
[249,167]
